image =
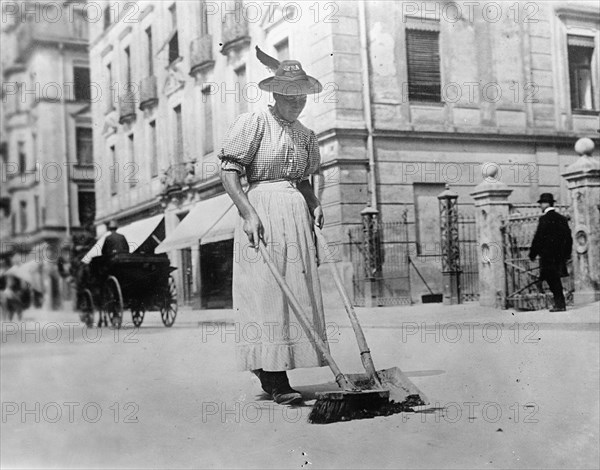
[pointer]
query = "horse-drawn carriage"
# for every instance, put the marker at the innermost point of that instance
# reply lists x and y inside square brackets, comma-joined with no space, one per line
[136,281]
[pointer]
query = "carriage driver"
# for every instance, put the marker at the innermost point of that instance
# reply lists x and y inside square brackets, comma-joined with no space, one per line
[114,243]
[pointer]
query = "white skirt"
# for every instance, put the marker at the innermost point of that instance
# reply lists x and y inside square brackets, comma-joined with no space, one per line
[268,335]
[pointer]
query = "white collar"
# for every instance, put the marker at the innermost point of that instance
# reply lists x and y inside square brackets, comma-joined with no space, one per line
[549,209]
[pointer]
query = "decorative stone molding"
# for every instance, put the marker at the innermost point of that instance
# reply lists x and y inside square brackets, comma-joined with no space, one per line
[175,79]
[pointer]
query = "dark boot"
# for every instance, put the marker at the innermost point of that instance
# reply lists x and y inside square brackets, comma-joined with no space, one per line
[278,386]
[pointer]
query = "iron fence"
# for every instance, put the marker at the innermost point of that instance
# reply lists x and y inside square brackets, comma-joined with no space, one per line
[469,262]
[380,264]
[523,288]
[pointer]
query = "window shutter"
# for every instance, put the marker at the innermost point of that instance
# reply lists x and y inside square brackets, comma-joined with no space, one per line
[423,55]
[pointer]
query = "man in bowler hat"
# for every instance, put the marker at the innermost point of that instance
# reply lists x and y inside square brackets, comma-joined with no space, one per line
[115,242]
[553,243]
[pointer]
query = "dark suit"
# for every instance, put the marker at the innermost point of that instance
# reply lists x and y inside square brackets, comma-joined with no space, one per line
[115,243]
[553,243]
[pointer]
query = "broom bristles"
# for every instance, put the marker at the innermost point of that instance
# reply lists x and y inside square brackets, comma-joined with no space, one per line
[342,406]
[345,406]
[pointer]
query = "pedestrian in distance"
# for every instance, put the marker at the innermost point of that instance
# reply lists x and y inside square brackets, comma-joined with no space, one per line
[277,154]
[553,243]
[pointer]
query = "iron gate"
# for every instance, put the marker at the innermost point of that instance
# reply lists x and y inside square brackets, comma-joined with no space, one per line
[523,289]
[469,265]
[380,264]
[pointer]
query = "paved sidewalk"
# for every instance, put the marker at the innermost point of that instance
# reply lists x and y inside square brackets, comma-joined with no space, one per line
[584,316]
[397,316]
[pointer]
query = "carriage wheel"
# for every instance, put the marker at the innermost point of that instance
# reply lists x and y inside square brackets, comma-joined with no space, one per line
[168,311]
[113,301]
[137,315]
[85,304]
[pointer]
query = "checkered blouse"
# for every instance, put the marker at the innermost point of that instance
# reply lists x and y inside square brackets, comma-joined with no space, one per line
[266,147]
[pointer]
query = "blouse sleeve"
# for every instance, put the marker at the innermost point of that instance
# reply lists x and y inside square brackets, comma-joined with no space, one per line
[242,142]
[314,156]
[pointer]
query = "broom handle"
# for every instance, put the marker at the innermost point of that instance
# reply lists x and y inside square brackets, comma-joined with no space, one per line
[365,352]
[340,378]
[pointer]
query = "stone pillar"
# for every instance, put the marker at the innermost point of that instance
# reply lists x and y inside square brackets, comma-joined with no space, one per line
[492,208]
[450,249]
[583,179]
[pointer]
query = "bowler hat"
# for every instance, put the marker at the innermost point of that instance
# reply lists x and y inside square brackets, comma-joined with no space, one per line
[112,225]
[546,197]
[291,80]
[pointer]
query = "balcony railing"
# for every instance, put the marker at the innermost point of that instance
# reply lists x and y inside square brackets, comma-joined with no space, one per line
[127,107]
[201,57]
[235,34]
[178,176]
[148,92]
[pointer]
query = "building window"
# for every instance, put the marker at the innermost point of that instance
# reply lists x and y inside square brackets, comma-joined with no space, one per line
[23,215]
[86,202]
[174,41]
[242,103]
[581,51]
[107,18]
[109,84]
[178,134]
[127,53]
[36,209]
[153,150]
[427,217]
[150,51]
[208,120]
[203,19]
[173,48]
[132,167]
[423,62]
[283,49]
[81,76]
[114,172]
[85,146]
[19,97]
[22,157]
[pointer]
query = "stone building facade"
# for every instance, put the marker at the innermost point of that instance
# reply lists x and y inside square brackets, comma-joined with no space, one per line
[416,95]
[47,152]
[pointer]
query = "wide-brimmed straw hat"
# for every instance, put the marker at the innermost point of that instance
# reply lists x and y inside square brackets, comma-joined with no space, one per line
[290,78]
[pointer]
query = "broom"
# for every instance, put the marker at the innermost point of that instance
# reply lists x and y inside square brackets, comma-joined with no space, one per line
[331,406]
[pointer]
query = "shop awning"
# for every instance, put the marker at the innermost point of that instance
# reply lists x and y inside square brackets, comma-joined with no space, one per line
[28,272]
[136,233]
[209,221]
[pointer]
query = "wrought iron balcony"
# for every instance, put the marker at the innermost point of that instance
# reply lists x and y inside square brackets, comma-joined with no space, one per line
[177,176]
[235,33]
[148,92]
[201,57]
[127,107]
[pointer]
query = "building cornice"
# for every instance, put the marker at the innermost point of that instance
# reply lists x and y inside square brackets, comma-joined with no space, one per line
[145,12]
[563,138]
[581,12]
[106,51]
[125,32]
[153,203]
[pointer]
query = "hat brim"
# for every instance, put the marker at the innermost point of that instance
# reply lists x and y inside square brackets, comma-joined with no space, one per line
[549,201]
[306,85]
